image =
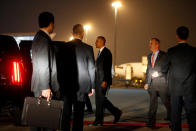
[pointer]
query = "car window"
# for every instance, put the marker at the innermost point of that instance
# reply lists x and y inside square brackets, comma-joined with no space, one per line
[8,46]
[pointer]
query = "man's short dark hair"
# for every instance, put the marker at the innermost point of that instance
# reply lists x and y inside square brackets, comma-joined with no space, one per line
[183,32]
[156,39]
[102,38]
[45,18]
[78,29]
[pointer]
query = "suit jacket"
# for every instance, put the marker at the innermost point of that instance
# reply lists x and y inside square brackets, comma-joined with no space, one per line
[160,81]
[77,69]
[180,63]
[43,77]
[103,68]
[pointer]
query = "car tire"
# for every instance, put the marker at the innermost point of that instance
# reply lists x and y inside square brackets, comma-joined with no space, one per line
[16,113]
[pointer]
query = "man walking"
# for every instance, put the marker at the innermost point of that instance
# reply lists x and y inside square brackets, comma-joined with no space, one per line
[156,82]
[103,82]
[180,63]
[44,78]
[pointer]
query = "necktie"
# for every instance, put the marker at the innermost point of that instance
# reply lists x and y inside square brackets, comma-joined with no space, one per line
[152,61]
[98,54]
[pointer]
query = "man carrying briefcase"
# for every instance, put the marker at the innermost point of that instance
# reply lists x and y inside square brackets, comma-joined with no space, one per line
[44,78]
[38,112]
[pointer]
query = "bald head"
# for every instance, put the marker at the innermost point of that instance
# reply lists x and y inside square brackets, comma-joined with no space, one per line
[78,31]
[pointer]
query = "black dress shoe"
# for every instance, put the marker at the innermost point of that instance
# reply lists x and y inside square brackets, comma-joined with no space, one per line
[117,117]
[170,126]
[96,124]
[150,124]
[167,119]
[89,111]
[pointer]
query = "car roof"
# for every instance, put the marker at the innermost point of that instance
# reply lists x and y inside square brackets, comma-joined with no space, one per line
[28,43]
[8,43]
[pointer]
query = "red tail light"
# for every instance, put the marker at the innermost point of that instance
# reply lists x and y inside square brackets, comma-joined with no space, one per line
[16,73]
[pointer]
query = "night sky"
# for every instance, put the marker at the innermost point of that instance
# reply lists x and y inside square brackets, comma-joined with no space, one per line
[138,21]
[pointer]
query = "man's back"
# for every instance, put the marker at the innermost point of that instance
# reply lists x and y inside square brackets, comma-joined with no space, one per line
[85,68]
[182,75]
[40,77]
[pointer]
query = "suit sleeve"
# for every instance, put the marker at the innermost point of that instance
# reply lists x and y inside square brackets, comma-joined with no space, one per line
[165,64]
[54,81]
[195,60]
[107,65]
[43,63]
[91,68]
[148,76]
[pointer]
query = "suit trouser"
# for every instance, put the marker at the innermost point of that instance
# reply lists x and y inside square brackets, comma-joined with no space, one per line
[88,103]
[40,129]
[177,103]
[78,114]
[154,94]
[103,103]
[37,94]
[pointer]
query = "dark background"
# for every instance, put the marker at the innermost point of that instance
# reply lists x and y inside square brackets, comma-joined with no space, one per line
[138,21]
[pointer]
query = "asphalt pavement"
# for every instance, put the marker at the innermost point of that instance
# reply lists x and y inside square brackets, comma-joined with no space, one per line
[134,104]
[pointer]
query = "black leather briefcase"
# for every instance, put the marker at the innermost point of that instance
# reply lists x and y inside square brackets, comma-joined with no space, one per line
[38,112]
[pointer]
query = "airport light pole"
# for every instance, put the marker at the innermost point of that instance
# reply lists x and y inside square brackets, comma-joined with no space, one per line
[116,5]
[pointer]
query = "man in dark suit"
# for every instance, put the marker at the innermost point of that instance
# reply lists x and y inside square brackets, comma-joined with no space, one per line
[156,82]
[103,80]
[44,78]
[76,75]
[180,63]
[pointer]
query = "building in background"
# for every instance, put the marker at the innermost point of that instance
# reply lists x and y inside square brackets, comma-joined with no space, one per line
[131,70]
[131,74]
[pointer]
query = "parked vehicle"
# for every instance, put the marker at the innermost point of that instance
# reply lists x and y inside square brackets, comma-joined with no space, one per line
[12,77]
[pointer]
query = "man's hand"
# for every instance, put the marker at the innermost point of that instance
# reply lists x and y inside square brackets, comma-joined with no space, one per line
[104,84]
[146,86]
[155,74]
[92,92]
[47,94]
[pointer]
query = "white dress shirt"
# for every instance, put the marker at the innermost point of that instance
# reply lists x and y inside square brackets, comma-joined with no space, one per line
[101,49]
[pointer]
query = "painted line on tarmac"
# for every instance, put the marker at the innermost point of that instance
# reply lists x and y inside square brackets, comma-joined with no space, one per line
[184,125]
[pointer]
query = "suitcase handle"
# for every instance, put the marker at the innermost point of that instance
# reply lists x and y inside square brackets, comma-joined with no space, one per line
[39,100]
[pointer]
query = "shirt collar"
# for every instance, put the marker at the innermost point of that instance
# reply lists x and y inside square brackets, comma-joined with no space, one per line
[45,31]
[182,42]
[101,49]
[78,39]
[156,53]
